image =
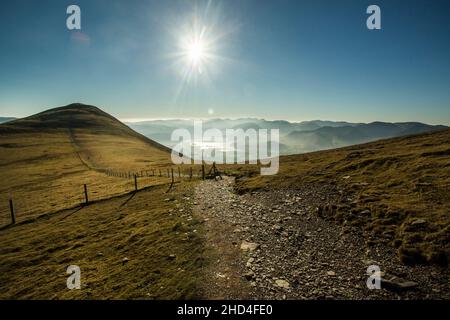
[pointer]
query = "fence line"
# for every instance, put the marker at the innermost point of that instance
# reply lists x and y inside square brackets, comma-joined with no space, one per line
[85,201]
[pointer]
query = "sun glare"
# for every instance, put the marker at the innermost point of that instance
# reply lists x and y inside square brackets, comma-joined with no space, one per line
[200,41]
[196,52]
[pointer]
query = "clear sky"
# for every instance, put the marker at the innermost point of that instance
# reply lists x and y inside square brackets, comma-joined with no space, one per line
[293,60]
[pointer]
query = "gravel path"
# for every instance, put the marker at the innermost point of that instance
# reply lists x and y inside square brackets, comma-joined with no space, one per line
[273,245]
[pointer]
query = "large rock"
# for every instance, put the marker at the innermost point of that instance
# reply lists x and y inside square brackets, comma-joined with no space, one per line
[282,283]
[249,246]
[396,284]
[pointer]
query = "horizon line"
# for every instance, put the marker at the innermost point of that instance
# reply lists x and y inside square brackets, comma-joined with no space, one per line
[140,120]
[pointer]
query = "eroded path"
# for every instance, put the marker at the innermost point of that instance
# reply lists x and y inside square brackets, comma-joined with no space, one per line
[272,245]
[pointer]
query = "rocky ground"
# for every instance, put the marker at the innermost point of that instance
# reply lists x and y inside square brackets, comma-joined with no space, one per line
[273,245]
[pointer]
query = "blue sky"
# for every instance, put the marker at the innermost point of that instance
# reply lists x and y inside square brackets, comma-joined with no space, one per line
[294,60]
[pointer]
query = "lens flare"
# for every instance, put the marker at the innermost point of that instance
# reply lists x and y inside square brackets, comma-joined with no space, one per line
[196,53]
[200,39]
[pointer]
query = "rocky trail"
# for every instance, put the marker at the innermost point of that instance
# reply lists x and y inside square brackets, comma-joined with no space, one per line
[273,245]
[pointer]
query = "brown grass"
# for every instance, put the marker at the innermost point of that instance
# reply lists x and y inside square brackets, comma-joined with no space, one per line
[47,158]
[45,161]
[164,252]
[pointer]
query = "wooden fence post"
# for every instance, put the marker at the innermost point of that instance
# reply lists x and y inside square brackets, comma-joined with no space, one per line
[86,199]
[214,169]
[172,175]
[11,208]
[135,183]
[179,172]
[168,172]
[203,171]
[190,173]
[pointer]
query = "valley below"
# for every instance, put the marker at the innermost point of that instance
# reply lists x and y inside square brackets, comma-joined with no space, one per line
[309,232]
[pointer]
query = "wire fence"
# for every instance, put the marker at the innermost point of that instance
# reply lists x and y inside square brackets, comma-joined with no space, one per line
[40,201]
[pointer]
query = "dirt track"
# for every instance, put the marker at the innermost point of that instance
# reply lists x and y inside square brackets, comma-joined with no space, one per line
[299,255]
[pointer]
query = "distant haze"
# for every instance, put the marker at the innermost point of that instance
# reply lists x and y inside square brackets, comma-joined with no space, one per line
[295,137]
[6,119]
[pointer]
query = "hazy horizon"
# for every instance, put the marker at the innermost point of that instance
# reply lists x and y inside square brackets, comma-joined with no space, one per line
[289,60]
[137,120]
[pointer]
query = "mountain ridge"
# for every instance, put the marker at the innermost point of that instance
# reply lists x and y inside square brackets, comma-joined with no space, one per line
[306,136]
[6,119]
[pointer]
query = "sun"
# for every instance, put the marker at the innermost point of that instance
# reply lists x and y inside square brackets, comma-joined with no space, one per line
[200,38]
[196,50]
[196,53]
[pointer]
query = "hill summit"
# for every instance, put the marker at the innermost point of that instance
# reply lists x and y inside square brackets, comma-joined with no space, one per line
[77,117]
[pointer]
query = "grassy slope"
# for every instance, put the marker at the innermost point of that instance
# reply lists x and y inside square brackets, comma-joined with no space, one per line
[398,180]
[45,160]
[146,229]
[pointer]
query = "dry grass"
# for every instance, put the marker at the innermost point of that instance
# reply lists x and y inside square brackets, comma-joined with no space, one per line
[44,164]
[398,180]
[146,228]
[45,161]
[43,173]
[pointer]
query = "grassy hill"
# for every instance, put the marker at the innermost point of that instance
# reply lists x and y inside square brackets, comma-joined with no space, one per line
[47,157]
[128,245]
[396,190]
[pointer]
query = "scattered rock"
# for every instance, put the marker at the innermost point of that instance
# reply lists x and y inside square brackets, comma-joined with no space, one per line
[277,227]
[418,222]
[396,284]
[249,275]
[369,262]
[308,248]
[282,283]
[365,213]
[249,246]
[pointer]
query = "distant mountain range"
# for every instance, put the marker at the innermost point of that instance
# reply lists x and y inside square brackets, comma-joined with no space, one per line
[295,137]
[6,119]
